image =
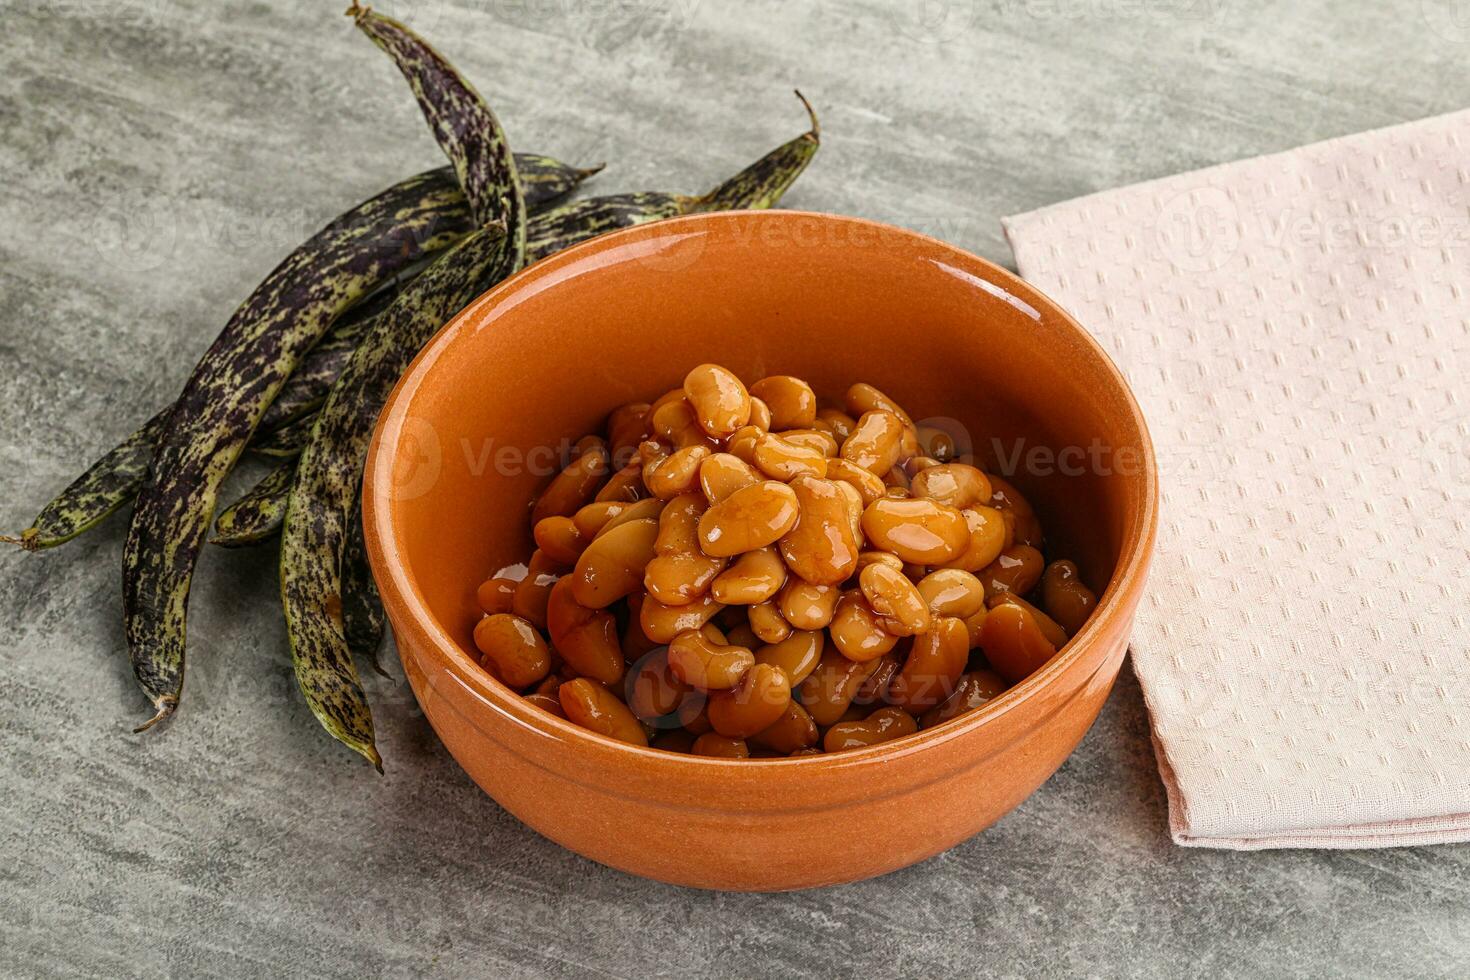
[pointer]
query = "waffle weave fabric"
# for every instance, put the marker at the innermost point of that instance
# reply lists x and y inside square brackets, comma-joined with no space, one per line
[1296,328]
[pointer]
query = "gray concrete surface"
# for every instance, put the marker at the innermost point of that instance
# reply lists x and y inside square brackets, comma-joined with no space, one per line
[160,155]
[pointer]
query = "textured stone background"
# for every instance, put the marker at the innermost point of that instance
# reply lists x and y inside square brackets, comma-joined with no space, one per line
[160,155]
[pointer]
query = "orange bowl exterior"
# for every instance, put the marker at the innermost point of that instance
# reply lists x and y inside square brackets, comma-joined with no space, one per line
[464,443]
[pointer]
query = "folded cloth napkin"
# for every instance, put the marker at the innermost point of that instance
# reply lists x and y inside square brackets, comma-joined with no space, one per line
[1297,330]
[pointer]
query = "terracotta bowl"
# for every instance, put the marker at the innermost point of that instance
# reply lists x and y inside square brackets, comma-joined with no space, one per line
[463,446]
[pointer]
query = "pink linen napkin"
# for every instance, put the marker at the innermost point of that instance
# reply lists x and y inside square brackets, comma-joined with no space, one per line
[1297,330]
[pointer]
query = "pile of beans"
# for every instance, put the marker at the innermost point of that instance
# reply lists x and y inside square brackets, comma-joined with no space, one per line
[742,573]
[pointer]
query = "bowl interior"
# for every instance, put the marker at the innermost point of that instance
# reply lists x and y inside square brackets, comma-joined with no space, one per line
[495,400]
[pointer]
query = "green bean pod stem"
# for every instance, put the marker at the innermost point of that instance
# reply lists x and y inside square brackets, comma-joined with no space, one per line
[545,179]
[763,183]
[108,484]
[464,126]
[760,185]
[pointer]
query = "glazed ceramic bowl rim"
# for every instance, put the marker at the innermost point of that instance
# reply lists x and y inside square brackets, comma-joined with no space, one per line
[1127,579]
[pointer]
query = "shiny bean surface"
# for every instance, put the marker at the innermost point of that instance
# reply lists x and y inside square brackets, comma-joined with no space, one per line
[974,624]
[837,422]
[875,444]
[824,545]
[828,691]
[529,601]
[547,702]
[654,690]
[1065,597]
[661,623]
[823,442]
[667,476]
[874,557]
[895,600]
[749,518]
[627,426]
[868,484]
[760,415]
[647,509]
[951,592]
[875,689]
[518,651]
[952,484]
[680,572]
[934,665]
[792,731]
[709,666]
[675,422]
[975,689]
[752,578]
[1004,496]
[937,443]
[559,538]
[1013,643]
[883,725]
[753,704]
[587,639]
[722,474]
[921,531]
[626,483]
[742,443]
[767,622]
[987,539]
[863,397]
[612,565]
[719,399]
[591,518]
[807,605]
[720,747]
[735,572]
[495,595]
[792,402]
[575,485]
[781,459]
[857,630]
[594,707]
[1049,627]
[1017,569]
[796,656]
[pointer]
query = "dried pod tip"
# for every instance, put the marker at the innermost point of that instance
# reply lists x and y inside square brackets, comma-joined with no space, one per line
[358,11]
[816,130]
[166,707]
[591,171]
[29,539]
